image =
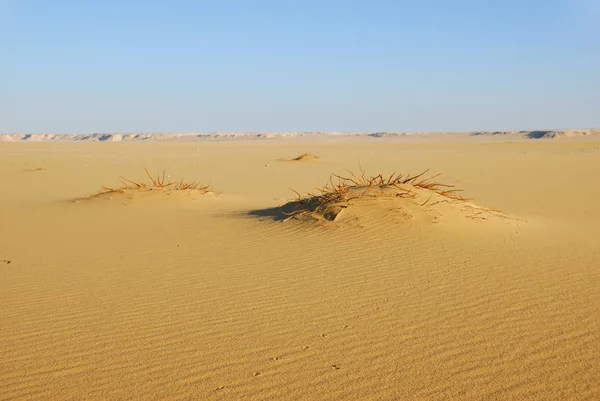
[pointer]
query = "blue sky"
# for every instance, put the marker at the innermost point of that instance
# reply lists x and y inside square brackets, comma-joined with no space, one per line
[182,66]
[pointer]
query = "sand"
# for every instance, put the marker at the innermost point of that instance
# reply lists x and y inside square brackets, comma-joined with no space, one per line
[180,295]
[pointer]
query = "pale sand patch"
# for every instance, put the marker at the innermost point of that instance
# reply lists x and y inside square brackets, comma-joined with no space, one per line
[207,298]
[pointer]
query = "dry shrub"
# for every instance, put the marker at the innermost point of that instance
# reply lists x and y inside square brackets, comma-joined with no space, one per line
[305,156]
[337,194]
[158,182]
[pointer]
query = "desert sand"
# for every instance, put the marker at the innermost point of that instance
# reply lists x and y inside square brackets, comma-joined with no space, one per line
[153,293]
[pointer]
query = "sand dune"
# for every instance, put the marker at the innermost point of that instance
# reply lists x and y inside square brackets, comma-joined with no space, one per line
[221,298]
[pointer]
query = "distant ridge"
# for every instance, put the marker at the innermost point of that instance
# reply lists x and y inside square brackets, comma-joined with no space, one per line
[227,136]
[98,137]
[543,134]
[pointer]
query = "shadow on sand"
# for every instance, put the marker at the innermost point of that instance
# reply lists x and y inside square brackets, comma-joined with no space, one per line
[278,213]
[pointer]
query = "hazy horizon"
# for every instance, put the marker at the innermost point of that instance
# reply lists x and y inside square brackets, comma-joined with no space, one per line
[385,66]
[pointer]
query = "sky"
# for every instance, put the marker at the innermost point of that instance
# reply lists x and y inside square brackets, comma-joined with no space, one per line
[72,66]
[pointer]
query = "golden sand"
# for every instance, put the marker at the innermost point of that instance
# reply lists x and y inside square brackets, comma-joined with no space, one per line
[179,294]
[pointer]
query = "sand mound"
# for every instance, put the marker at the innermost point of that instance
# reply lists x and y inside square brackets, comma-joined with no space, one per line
[409,196]
[157,187]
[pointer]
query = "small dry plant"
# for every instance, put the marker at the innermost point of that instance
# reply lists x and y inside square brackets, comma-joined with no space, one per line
[305,156]
[161,181]
[339,191]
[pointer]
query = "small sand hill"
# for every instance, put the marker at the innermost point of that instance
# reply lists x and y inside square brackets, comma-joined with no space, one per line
[397,197]
[158,187]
